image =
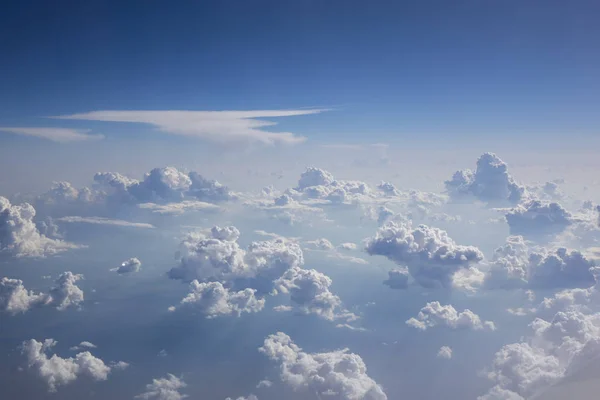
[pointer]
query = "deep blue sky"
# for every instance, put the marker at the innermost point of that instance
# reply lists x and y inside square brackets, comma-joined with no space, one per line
[390,67]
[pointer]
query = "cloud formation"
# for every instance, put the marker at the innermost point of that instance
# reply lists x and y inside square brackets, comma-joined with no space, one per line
[57,371]
[14,298]
[65,293]
[432,257]
[434,314]
[537,217]
[490,182]
[167,388]
[445,353]
[128,266]
[20,236]
[213,299]
[215,126]
[340,374]
[60,135]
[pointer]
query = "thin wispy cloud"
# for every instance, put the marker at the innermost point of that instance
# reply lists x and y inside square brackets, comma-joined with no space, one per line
[104,221]
[217,126]
[60,135]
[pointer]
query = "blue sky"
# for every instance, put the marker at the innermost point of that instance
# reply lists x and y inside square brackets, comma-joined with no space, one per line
[394,69]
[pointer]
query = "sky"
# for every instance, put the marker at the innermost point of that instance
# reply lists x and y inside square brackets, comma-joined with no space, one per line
[244,200]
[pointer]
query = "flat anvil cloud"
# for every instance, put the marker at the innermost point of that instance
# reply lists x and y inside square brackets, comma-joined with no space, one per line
[218,126]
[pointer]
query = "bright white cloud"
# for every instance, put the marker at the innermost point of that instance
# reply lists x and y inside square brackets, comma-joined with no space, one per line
[20,236]
[536,217]
[445,352]
[128,266]
[61,135]
[216,126]
[337,373]
[66,293]
[57,371]
[213,299]
[432,257]
[84,345]
[14,298]
[167,388]
[104,221]
[434,314]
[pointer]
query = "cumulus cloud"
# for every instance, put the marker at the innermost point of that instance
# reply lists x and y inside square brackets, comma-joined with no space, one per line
[432,257]
[320,244]
[310,294]
[128,266]
[218,256]
[57,371]
[213,299]
[84,345]
[251,397]
[490,182]
[60,135]
[537,217]
[65,293]
[434,314]
[397,279]
[340,374]
[14,298]
[216,126]
[445,352]
[515,265]
[265,383]
[167,388]
[20,236]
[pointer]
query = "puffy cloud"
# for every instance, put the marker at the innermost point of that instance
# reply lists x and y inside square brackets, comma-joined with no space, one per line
[320,244]
[218,257]
[251,397]
[216,126]
[318,184]
[498,393]
[66,293]
[445,353]
[515,265]
[20,236]
[434,314]
[57,371]
[432,257]
[348,246]
[397,279]
[167,388]
[265,383]
[536,217]
[128,266]
[60,135]
[84,345]
[340,374]
[388,189]
[309,292]
[490,182]
[212,300]
[14,298]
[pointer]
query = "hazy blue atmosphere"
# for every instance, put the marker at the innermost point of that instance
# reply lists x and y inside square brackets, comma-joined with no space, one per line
[261,200]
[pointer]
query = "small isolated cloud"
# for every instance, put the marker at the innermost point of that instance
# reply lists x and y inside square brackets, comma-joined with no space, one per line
[104,221]
[213,299]
[14,298]
[65,293]
[216,126]
[265,383]
[434,314]
[397,278]
[309,293]
[337,373]
[128,266]
[250,397]
[320,244]
[20,236]
[179,208]
[167,388]
[60,135]
[445,353]
[83,345]
[57,371]
[348,246]
[490,182]
[432,257]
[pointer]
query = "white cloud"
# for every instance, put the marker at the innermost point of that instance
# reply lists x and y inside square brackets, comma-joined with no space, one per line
[213,299]
[432,257]
[250,397]
[217,126]
[57,371]
[445,352]
[337,373]
[490,182]
[128,266]
[348,246]
[61,135]
[20,236]
[84,345]
[320,244]
[498,393]
[434,314]
[66,294]
[265,383]
[536,217]
[397,279]
[167,388]
[179,208]
[104,221]
[14,298]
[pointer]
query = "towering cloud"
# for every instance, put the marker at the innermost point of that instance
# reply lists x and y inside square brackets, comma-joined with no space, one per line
[490,182]
[14,298]
[20,236]
[337,373]
[432,257]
